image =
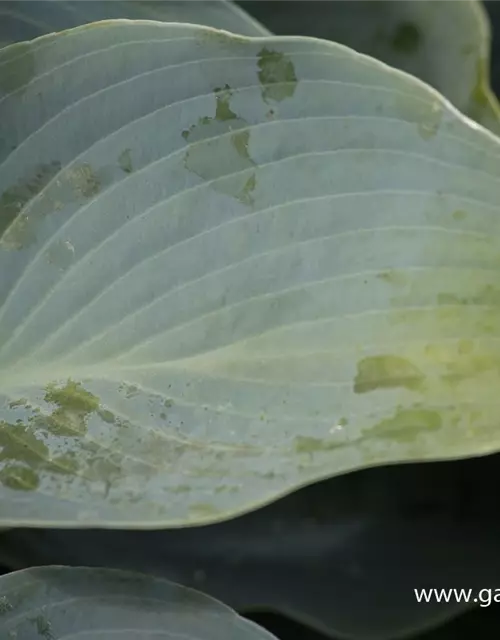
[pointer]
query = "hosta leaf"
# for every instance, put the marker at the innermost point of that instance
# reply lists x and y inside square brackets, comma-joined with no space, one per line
[231,267]
[32,18]
[63,602]
[492,9]
[447,44]
[342,556]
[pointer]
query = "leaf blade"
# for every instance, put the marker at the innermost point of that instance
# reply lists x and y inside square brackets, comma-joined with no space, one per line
[185,283]
[55,601]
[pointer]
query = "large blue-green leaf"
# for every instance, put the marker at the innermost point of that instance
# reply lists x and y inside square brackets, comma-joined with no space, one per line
[492,8]
[29,19]
[342,556]
[447,44]
[231,267]
[63,602]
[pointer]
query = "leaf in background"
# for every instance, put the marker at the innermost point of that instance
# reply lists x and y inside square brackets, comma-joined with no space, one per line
[231,267]
[446,44]
[32,18]
[63,602]
[493,10]
[342,556]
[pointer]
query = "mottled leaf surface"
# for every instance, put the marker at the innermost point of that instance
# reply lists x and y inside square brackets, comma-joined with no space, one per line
[29,19]
[231,267]
[447,44]
[63,602]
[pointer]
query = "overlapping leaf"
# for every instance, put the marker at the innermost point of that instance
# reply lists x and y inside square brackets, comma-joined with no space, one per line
[447,44]
[20,21]
[231,267]
[63,602]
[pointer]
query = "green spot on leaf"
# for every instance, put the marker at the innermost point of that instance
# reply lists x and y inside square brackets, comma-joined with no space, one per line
[386,372]
[394,277]
[125,161]
[248,188]
[22,402]
[276,75]
[75,404]
[306,444]
[43,627]
[72,397]
[19,477]
[217,154]
[459,215]
[129,390]
[407,424]
[17,230]
[107,416]
[19,443]
[469,365]
[203,509]
[5,605]
[223,111]
[84,180]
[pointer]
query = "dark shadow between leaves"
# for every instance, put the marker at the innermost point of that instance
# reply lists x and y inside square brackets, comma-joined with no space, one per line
[342,556]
